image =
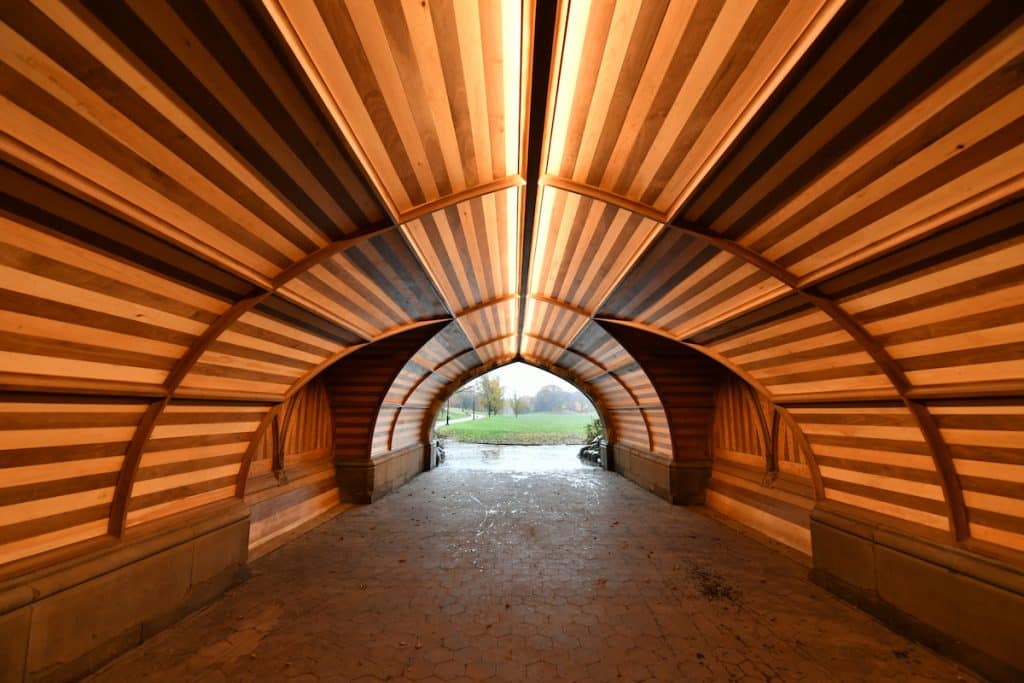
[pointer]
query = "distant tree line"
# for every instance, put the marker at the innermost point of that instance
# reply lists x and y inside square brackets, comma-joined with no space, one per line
[486,395]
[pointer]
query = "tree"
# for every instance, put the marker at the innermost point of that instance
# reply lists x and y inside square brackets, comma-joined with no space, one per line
[519,404]
[550,399]
[462,398]
[492,395]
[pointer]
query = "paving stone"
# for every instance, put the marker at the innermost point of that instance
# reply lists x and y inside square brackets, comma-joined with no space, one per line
[567,575]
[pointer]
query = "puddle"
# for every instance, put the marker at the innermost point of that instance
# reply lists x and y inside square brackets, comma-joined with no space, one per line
[513,459]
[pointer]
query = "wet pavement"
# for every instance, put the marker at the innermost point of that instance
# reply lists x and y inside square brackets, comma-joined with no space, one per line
[521,563]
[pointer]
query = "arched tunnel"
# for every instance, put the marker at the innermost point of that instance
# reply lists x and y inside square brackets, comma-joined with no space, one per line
[248,247]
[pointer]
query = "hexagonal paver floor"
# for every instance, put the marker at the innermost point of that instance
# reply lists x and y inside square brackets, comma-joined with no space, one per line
[488,574]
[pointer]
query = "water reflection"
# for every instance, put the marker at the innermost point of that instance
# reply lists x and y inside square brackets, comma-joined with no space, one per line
[520,459]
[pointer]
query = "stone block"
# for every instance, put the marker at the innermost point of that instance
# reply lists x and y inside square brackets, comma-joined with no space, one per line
[355,480]
[688,481]
[73,631]
[962,604]
[977,621]
[222,550]
[14,628]
[837,554]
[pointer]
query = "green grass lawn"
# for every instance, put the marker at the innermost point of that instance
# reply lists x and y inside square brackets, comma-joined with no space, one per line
[529,428]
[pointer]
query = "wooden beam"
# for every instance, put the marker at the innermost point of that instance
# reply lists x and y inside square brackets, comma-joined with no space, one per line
[956,509]
[458,197]
[608,371]
[130,467]
[604,196]
[250,451]
[201,343]
[239,308]
[314,259]
[484,304]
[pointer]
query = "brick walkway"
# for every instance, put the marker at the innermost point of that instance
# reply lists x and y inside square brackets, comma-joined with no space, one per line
[468,574]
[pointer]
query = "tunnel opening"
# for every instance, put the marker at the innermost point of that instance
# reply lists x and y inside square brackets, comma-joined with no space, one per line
[518,417]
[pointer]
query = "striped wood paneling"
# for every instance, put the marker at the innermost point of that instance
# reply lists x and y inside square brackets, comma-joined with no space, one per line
[874,458]
[580,366]
[87,301]
[791,455]
[683,285]
[192,458]
[306,424]
[409,427]
[538,351]
[600,347]
[471,248]
[906,120]
[630,428]
[59,462]
[583,247]
[447,356]
[949,309]
[748,480]
[303,487]
[489,323]
[266,351]
[681,383]
[370,288]
[646,92]
[302,430]
[632,404]
[986,440]
[181,116]
[794,349]
[358,384]
[556,324]
[429,92]
[742,432]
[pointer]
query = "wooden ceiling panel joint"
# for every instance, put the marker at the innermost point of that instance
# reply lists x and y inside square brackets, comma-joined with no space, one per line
[548,17]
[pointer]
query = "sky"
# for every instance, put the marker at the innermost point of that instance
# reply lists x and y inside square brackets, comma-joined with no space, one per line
[526,380]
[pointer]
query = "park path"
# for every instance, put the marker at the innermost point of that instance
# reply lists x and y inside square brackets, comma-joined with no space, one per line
[479,571]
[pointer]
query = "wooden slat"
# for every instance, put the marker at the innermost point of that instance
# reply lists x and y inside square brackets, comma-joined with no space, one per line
[426,93]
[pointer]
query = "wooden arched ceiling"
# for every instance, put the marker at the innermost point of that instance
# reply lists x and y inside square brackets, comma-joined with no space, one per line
[216,200]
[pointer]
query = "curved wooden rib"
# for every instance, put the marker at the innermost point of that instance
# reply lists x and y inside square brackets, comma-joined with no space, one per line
[130,467]
[957,510]
[458,197]
[484,304]
[201,343]
[955,506]
[600,195]
[243,467]
[240,308]
[607,370]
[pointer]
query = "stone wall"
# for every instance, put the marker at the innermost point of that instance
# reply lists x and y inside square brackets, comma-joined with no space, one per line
[680,483]
[364,481]
[964,605]
[67,619]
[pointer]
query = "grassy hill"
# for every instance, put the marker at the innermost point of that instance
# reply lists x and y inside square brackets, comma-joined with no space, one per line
[530,428]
